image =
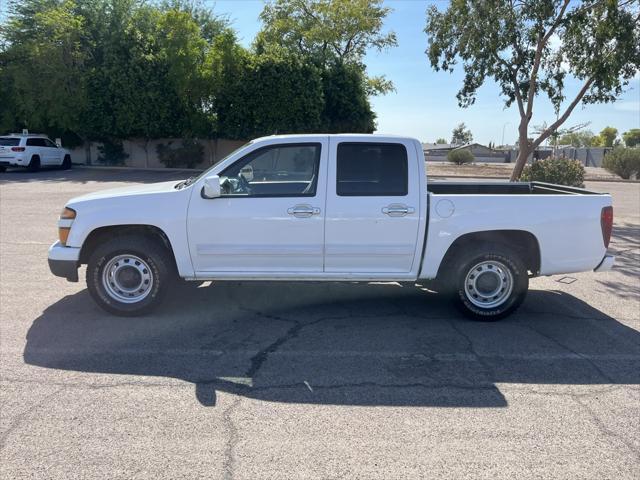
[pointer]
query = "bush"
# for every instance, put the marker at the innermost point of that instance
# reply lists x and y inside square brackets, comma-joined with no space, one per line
[460,157]
[561,171]
[624,162]
[188,155]
[111,152]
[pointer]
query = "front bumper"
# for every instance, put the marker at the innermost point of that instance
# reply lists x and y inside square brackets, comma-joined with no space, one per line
[64,261]
[606,264]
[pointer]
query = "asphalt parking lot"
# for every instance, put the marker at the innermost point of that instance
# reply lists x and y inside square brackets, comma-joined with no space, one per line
[284,380]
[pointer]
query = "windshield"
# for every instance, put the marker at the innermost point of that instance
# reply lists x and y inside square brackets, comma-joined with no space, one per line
[9,141]
[195,178]
[206,172]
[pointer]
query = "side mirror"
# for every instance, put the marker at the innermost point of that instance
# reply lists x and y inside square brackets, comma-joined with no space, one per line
[211,188]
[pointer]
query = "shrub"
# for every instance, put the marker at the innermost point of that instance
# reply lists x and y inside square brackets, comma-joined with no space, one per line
[561,171]
[111,152]
[460,157]
[188,155]
[624,162]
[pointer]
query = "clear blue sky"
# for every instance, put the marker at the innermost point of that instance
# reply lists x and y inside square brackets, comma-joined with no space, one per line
[424,104]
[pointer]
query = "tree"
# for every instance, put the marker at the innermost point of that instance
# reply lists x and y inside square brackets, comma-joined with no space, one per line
[529,48]
[632,137]
[441,140]
[578,139]
[607,137]
[42,61]
[328,31]
[461,135]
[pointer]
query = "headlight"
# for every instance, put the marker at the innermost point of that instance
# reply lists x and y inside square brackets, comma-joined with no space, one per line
[68,213]
[64,224]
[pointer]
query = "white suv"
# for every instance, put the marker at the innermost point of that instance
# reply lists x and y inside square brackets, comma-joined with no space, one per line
[32,151]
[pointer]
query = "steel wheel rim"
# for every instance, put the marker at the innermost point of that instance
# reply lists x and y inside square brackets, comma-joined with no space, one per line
[127,279]
[488,284]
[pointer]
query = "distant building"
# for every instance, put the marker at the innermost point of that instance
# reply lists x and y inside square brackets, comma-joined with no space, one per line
[437,152]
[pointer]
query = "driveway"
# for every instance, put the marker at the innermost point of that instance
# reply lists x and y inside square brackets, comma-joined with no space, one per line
[263,380]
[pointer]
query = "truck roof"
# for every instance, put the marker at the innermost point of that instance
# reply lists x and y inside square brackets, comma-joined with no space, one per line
[373,136]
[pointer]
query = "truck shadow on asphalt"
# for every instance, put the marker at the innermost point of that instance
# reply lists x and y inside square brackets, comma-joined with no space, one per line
[338,344]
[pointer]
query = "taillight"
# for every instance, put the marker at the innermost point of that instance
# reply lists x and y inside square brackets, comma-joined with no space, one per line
[17,149]
[606,223]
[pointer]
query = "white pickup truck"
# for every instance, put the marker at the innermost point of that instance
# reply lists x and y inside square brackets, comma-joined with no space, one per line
[330,208]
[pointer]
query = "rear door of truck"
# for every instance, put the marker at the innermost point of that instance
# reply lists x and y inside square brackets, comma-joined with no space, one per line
[373,207]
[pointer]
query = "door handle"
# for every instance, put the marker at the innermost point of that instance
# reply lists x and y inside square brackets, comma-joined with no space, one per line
[303,211]
[397,210]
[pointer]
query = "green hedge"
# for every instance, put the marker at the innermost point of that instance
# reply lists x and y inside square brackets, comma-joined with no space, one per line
[624,162]
[460,157]
[561,171]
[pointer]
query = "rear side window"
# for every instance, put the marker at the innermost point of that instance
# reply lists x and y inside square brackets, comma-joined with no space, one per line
[35,142]
[9,142]
[372,169]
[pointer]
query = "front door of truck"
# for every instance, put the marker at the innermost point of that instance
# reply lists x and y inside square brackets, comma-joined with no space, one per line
[373,207]
[269,220]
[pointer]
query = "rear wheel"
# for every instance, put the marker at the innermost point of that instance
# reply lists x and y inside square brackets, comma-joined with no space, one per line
[3,169]
[489,282]
[34,164]
[66,163]
[129,275]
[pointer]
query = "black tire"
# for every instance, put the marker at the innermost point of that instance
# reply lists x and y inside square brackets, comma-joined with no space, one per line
[3,169]
[151,252]
[34,164]
[66,163]
[507,278]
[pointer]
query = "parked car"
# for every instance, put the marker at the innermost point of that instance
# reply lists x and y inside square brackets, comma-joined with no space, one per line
[32,151]
[331,208]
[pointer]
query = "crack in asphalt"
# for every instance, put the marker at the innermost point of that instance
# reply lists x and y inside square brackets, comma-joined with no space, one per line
[19,419]
[232,440]
[602,427]
[569,349]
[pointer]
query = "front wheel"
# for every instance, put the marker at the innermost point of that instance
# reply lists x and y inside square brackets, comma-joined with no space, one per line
[129,275]
[66,163]
[490,283]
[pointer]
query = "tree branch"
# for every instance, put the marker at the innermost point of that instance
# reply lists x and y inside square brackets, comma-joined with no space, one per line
[542,42]
[554,126]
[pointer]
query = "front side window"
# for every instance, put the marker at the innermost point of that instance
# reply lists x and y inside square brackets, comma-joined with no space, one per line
[372,169]
[49,143]
[277,171]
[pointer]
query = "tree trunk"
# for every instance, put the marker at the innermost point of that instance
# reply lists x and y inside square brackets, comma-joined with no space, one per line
[524,150]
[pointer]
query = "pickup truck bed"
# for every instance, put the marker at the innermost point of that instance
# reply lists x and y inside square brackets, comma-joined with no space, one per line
[503,188]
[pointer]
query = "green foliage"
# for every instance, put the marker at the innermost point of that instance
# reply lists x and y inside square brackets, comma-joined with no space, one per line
[346,106]
[441,140]
[461,135]
[585,138]
[560,171]
[111,152]
[328,31]
[94,69]
[624,162]
[188,155]
[460,156]
[607,137]
[632,137]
